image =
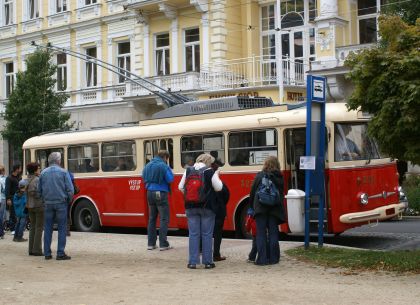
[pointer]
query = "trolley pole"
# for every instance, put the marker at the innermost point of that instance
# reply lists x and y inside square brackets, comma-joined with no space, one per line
[314,161]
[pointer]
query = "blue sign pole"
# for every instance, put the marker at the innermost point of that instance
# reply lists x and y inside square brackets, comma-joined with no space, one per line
[308,153]
[315,147]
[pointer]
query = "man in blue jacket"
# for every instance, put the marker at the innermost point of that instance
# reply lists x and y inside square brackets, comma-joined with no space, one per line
[56,190]
[158,176]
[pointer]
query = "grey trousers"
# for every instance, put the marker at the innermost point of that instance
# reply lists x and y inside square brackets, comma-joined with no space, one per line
[36,216]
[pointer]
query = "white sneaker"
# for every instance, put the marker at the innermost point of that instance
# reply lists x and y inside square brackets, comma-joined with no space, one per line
[166,248]
[12,233]
[151,247]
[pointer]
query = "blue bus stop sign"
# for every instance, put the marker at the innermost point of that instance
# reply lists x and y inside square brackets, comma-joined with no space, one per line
[315,150]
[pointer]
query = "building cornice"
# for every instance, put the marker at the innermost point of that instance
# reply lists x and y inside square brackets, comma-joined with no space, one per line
[117,17]
[201,6]
[169,10]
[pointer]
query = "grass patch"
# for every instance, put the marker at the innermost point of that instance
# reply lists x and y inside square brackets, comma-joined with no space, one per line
[395,261]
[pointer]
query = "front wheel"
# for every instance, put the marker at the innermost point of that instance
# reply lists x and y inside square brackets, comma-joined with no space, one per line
[86,218]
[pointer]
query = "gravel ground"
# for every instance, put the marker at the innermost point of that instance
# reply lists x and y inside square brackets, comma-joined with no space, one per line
[117,269]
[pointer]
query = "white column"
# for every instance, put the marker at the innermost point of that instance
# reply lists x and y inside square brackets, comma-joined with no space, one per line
[328,8]
[68,65]
[205,38]
[279,54]
[146,53]
[132,52]
[174,46]
[99,70]
[110,60]
[79,77]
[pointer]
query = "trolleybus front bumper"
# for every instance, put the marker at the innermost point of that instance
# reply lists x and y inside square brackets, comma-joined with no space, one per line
[381,213]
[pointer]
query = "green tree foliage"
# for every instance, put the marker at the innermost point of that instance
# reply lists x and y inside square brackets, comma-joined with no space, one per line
[387,85]
[408,10]
[34,106]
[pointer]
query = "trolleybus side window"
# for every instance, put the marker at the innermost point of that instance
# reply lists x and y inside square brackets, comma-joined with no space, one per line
[193,146]
[152,147]
[353,143]
[41,156]
[27,156]
[252,147]
[83,158]
[119,156]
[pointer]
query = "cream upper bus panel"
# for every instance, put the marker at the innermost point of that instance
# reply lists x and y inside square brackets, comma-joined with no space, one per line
[335,112]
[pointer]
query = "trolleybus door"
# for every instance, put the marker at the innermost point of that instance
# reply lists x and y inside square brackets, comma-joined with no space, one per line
[295,148]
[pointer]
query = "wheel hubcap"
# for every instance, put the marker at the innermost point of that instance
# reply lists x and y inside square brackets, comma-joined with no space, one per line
[86,218]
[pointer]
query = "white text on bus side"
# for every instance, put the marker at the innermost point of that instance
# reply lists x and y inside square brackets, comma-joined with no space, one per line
[134,185]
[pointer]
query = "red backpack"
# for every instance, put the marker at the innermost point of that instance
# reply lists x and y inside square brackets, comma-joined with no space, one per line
[194,185]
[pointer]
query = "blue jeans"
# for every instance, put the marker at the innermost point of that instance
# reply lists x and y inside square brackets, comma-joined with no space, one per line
[20,227]
[2,212]
[56,212]
[267,254]
[200,226]
[158,204]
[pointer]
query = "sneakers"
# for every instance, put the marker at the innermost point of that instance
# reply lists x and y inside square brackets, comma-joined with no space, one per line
[64,257]
[210,266]
[48,257]
[166,248]
[191,266]
[12,233]
[250,260]
[19,239]
[151,247]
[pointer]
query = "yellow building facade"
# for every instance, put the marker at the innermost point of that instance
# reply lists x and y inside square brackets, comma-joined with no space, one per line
[203,49]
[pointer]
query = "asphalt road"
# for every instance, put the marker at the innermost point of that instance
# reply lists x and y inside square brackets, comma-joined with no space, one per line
[389,235]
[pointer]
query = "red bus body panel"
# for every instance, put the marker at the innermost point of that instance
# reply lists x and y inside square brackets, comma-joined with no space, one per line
[346,185]
[116,196]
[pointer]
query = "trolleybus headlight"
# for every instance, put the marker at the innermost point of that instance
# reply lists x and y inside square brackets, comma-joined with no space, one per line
[402,194]
[364,199]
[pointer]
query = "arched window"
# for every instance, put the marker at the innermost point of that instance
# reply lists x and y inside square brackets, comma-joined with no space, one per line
[291,20]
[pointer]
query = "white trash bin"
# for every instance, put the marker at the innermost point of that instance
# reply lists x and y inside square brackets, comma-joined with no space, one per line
[296,210]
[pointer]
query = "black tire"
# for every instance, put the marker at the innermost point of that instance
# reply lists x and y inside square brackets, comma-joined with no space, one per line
[86,218]
[240,224]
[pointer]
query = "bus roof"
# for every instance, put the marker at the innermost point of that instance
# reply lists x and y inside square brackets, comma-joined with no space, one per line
[213,122]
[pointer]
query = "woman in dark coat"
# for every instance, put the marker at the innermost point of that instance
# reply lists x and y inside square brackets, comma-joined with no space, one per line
[267,217]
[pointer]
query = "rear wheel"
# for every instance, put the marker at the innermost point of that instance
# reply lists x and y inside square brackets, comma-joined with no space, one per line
[86,218]
[240,222]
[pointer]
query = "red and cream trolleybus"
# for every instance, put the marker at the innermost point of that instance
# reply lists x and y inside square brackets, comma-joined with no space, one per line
[361,183]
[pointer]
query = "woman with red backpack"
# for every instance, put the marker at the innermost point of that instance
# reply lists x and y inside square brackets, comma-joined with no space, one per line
[199,185]
[266,199]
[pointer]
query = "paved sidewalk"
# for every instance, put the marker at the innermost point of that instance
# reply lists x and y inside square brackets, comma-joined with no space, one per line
[117,269]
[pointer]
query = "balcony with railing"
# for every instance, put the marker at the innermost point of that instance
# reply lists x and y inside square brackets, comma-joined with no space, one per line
[251,72]
[343,52]
[188,81]
[255,71]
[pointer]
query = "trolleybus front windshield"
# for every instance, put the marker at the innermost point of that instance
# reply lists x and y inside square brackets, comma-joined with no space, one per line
[353,143]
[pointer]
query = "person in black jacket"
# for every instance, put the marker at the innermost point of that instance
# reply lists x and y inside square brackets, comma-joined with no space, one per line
[11,187]
[222,199]
[268,218]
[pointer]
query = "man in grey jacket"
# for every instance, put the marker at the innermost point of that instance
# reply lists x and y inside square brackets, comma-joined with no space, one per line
[56,190]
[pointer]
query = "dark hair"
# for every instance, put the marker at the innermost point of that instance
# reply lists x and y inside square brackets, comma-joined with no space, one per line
[32,167]
[16,167]
[163,154]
